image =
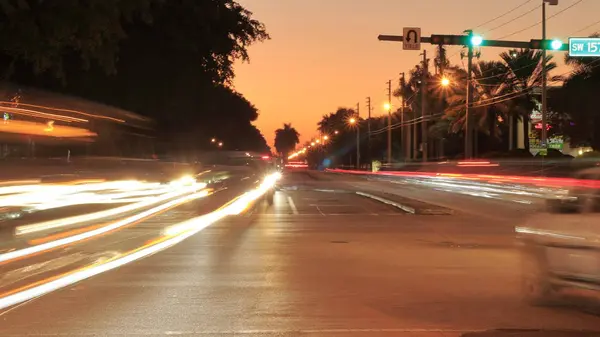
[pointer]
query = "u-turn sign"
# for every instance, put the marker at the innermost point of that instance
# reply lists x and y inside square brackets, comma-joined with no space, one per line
[411,38]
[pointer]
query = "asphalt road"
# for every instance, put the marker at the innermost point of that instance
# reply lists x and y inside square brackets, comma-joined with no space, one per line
[321,261]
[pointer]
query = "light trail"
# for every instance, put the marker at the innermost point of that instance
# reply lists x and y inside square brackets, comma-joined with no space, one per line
[15,254]
[52,224]
[173,236]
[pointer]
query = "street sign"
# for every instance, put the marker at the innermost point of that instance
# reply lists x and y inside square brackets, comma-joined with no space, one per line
[412,38]
[584,47]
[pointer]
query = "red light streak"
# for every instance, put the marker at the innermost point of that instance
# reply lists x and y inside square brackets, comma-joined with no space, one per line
[538,181]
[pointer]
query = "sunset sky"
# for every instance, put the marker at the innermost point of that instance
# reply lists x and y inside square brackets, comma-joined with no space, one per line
[324,53]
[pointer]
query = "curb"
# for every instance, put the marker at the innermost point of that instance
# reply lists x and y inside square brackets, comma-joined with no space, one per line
[426,210]
[405,208]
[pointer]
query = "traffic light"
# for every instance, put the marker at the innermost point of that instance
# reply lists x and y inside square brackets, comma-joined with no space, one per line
[463,40]
[548,44]
[476,40]
[449,39]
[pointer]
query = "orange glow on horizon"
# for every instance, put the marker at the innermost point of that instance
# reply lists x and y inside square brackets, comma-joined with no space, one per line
[306,71]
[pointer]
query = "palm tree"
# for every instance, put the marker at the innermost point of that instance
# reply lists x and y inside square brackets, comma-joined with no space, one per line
[576,98]
[525,73]
[337,120]
[286,139]
[489,92]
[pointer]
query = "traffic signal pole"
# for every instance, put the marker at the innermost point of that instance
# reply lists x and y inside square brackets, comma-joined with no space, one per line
[470,41]
[544,78]
[469,105]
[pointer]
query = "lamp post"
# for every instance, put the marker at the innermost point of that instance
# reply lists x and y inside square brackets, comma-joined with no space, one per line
[354,122]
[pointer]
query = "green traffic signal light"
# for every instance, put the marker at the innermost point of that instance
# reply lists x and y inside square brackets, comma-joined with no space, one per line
[476,40]
[556,44]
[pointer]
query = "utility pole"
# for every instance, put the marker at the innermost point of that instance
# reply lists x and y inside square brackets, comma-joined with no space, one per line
[424,116]
[404,144]
[415,137]
[369,130]
[469,103]
[389,138]
[357,136]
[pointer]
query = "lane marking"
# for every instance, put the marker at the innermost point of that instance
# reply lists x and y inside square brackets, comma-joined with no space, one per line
[292,205]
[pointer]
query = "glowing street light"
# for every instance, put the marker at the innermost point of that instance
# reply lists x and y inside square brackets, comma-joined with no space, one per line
[325,137]
[317,141]
[312,144]
[387,106]
[220,144]
[336,132]
[213,140]
[352,120]
[445,82]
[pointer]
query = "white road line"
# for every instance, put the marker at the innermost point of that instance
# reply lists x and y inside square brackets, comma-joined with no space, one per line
[320,211]
[292,205]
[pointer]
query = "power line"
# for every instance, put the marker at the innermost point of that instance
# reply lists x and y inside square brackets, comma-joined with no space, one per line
[514,19]
[503,15]
[539,22]
[584,28]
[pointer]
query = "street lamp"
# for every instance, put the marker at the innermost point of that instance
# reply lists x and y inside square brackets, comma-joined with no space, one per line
[325,137]
[220,144]
[445,82]
[387,106]
[336,132]
[213,140]
[312,144]
[354,121]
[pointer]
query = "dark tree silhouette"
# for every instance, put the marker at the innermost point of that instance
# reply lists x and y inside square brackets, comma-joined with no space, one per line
[577,99]
[286,139]
[43,33]
[174,64]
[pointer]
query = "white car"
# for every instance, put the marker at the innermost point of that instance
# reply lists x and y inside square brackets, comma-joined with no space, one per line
[561,247]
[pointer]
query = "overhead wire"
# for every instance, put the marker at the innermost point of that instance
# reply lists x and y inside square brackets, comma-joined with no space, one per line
[503,15]
[514,19]
[539,22]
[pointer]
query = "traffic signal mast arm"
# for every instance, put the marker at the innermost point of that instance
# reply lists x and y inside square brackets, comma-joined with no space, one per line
[476,41]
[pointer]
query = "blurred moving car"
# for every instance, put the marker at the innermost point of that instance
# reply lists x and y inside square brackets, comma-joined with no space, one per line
[561,247]
[218,167]
[296,165]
